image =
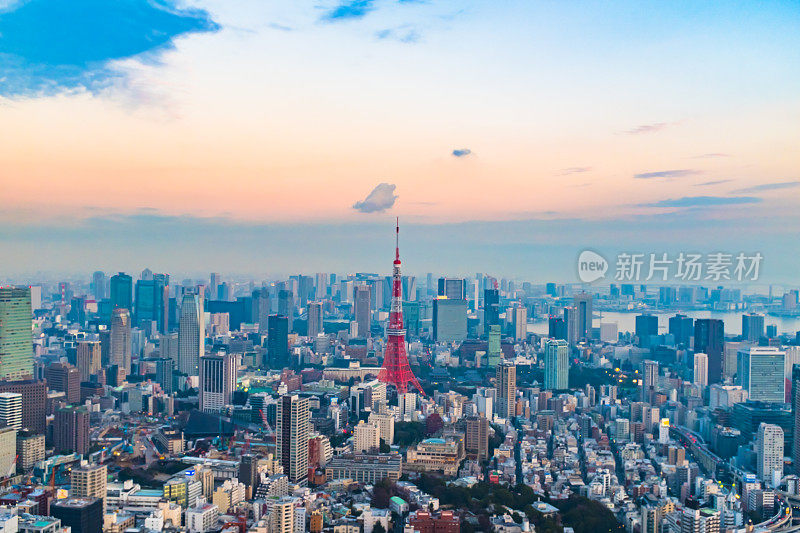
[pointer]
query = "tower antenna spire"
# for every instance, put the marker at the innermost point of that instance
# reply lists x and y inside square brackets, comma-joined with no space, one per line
[396,369]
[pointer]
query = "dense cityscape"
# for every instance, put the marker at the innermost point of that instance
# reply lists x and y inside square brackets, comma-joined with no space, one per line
[399,266]
[376,403]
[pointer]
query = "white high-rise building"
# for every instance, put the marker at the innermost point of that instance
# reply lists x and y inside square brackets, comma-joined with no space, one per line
[281,514]
[202,517]
[386,425]
[191,335]
[300,519]
[8,451]
[291,437]
[89,481]
[663,431]
[702,520]
[519,318]
[407,404]
[701,369]
[769,446]
[121,342]
[367,437]
[217,381]
[11,409]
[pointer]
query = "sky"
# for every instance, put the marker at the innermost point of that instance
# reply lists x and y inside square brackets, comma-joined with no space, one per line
[264,137]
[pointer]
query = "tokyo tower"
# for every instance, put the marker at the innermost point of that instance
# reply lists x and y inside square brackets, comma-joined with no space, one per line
[395,370]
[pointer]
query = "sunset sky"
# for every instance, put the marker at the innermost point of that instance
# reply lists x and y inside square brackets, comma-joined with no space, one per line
[266,137]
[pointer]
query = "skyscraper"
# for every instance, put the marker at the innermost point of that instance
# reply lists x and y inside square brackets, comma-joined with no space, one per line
[99,285]
[152,301]
[452,288]
[796,418]
[556,364]
[88,359]
[491,308]
[65,378]
[752,327]
[700,374]
[571,325]
[71,430]
[556,328]
[449,320]
[709,338]
[476,437]
[646,327]
[191,335]
[165,368]
[410,288]
[314,319]
[583,307]
[217,381]
[291,437]
[362,311]
[769,447]
[649,380]
[320,285]
[506,389]
[520,322]
[120,349]
[122,291]
[214,281]
[261,308]
[761,373]
[34,398]
[278,341]
[286,305]
[494,346]
[681,327]
[11,410]
[16,338]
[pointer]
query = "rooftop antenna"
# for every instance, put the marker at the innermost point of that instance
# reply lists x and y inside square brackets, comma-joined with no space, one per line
[397,240]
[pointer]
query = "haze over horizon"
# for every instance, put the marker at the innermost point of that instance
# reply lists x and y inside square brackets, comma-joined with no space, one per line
[243,137]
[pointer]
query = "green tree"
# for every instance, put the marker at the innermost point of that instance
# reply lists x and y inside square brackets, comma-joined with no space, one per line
[408,433]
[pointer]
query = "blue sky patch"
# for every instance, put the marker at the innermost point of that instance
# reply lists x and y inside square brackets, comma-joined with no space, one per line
[50,46]
[349,9]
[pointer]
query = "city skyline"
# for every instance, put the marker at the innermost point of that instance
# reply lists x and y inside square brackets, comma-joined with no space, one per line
[631,127]
[590,322]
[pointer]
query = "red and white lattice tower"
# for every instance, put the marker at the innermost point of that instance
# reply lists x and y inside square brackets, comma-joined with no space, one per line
[395,370]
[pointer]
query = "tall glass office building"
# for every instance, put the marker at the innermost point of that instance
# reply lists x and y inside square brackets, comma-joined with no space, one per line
[556,364]
[761,373]
[16,339]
